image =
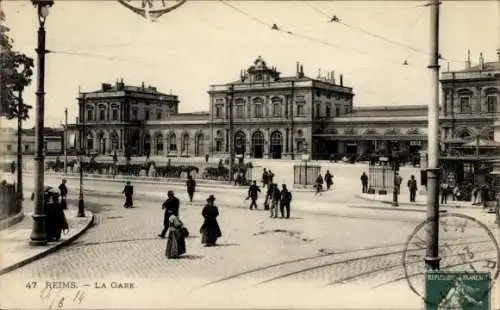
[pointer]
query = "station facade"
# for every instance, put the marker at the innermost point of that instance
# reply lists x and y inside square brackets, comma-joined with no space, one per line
[283,117]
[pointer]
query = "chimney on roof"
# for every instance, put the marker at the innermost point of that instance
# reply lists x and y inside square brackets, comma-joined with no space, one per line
[341,80]
[301,71]
[319,74]
[333,76]
[297,71]
[481,61]
[448,66]
[467,62]
[143,86]
[498,53]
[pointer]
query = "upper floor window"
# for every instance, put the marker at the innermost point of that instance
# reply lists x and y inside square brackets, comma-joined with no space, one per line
[276,109]
[318,108]
[146,115]
[258,77]
[102,113]
[114,112]
[258,110]
[346,109]
[300,110]
[218,110]
[328,111]
[134,113]
[337,110]
[491,102]
[90,113]
[240,111]
[158,114]
[465,106]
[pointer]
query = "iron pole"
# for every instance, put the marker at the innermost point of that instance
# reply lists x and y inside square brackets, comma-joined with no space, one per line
[38,235]
[432,258]
[83,147]
[20,112]
[231,134]
[65,141]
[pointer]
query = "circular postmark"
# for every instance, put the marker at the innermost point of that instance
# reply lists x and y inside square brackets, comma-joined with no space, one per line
[466,247]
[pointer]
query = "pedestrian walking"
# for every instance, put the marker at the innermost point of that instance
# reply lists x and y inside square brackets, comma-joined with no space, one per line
[171,206]
[286,199]
[56,221]
[253,193]
[128,190]
[475,194]
[328,179]
[271,177]
[63,190]
[364,183]
[275,200]
[485,193]
[210,229]
[318,185]
[265,178]
[191,187]
[412,187]
[444,192]
[176,238]
[268,196]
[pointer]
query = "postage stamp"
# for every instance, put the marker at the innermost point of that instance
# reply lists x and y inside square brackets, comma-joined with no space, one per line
[458,290]
[467,264]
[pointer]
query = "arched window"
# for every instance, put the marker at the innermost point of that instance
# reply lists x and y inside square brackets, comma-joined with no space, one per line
[258,110]
[90,142]
[90,113]
[172,143]
[464,135]
[276,109]
[300,110]
[465,101]
[158,144]
[185,143]
[199,145]
[114,112]
[102,112]
[115,142]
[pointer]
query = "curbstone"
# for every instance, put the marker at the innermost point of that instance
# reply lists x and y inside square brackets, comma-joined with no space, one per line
[11,220]
[421,204]
[50,249]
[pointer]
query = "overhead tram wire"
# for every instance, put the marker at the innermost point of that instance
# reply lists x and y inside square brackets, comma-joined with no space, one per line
[335,19]
[304,37]
[112,58]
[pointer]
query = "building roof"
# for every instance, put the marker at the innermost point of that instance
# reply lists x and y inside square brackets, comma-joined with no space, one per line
[389,111]
[488,66]
[120,86]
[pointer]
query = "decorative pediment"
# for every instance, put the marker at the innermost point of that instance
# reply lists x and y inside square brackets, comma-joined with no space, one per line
[349,131]
[413,131]
[391,131]
[370,131]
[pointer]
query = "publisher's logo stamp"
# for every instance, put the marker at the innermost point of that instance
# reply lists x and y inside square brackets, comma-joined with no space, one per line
[458,290]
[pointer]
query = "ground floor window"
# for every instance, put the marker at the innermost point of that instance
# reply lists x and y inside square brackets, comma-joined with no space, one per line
[218,146]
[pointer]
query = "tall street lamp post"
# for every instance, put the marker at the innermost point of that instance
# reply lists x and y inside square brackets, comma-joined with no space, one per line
[38,234]
[432,258]
[231,133]
[82,152]
[397,179]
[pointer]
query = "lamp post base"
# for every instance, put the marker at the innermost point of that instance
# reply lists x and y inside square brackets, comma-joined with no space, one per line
[432,262]
[38,235]
[81,208]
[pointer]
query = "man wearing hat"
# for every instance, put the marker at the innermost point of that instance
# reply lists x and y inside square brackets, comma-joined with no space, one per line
[128,190]
[64,193]
[171,206]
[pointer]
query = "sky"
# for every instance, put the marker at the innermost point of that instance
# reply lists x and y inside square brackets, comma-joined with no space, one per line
[206,42]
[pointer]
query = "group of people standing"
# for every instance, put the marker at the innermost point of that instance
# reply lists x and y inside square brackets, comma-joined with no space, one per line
[176,232]
[319,182]
[275,198]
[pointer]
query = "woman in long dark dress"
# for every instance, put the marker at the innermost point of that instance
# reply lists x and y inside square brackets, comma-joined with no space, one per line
[210,229]
[176,242]
[56,221]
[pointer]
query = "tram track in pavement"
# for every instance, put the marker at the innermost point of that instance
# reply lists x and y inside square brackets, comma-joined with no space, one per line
[318,267]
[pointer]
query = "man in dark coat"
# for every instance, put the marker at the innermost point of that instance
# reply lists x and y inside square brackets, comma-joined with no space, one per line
[286,199]
[171,206]
[269,193]
[265,178]
[364,183]
[64,194]
[56,220]
[328,179]
[128,190]
[191,186]
[412,187]
[253,194]
[275,200]
[270,178]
